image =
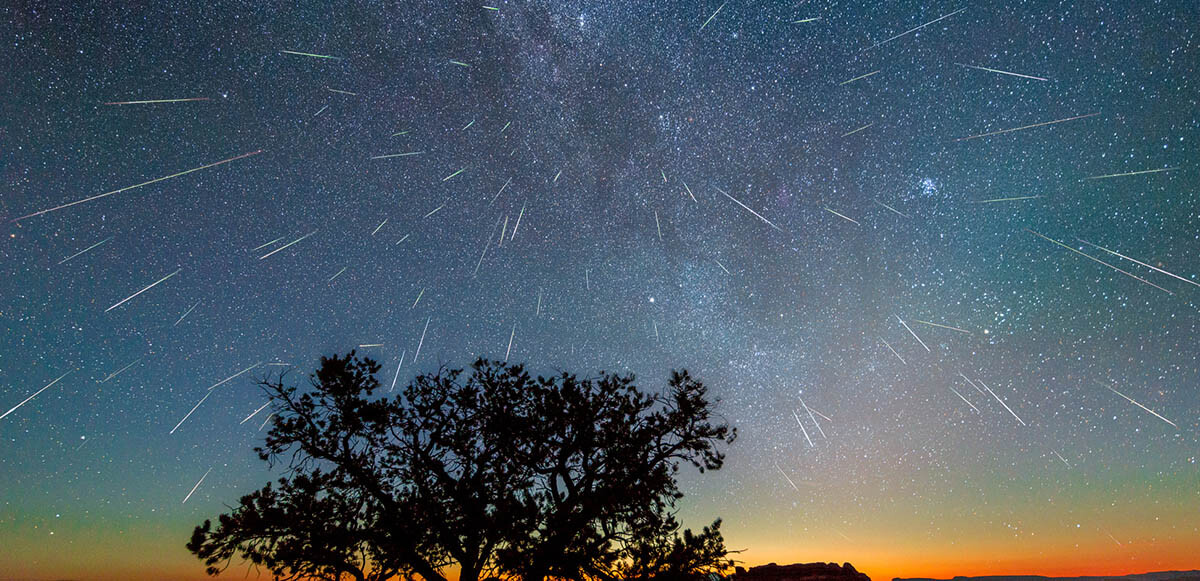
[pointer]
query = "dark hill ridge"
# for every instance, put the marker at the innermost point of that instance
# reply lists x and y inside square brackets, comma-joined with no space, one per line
[801,572]
[1156,576]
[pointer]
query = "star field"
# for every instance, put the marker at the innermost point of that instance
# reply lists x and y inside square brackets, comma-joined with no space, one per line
[860,238]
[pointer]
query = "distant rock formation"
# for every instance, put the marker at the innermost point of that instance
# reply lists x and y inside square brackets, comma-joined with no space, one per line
[799,572]
[1155,576]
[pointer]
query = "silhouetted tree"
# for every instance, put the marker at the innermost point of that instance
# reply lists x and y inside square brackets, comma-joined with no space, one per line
[497,473]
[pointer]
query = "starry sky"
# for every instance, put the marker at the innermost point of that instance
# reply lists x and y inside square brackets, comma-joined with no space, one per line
[892,239]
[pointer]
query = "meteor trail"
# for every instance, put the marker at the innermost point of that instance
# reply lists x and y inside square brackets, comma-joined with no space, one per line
[85,250]
[127,188]
[223,381]
[320,56]
[1002,72]
[960,396]
[518,225]
[842,216]
[689,191]
[806,20]
[942,326]
[189,495]
[379,226]
[419,295]
[658,225]
[911,30]
[261,246]
[287,245]
[422,341]
[714,15]
[799,423]
[735,200]
[1154,268]
[35,394]
[1064,461]
[397,376]
[264,406]
[1132,173]
[814,420]
[459,63]
[848,134]
[889,346]
[1154,413]
[969,137]
[913,334]
[339,273]
[891,208]
[341,92]
[510,341]
[786,477]
[454,174]
[501,190]
[435,210]
[119,371]
[156,101]
[468,125]
[405,154]
[152,285]
[1014,414]
[189,414]
[1089,257]
[185,314]
[860,77]
[994,200]
[722,266]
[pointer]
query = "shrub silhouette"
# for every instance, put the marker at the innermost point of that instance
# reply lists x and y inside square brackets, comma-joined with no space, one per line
[494,473]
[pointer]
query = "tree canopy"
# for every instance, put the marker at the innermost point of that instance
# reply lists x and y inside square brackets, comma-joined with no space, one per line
[493,472]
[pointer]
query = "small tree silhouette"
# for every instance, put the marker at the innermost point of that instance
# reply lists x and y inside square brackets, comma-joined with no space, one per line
[495,473]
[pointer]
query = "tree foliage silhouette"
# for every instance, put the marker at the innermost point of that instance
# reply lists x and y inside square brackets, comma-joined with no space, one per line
[496,473]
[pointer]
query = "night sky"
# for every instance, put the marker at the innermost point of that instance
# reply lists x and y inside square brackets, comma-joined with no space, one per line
[869,237]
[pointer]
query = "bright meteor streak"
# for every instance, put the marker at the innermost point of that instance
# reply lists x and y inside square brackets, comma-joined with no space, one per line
[969,137]
[156,180]
[152,285]
[735,200]
[147,102]
[35,394]
[1142,406]
[1002,72]
[1131,173]
[320,56]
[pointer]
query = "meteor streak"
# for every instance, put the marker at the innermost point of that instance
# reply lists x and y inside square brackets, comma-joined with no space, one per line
[1100,261]
[689,191]
[454,174]
[760,217]
[1154,413]
[152,285]
[848,134]
[994,200]
[969,137]
[510,341]
[422,341]
[714,15]
[189,495]
[942,326]
[960,396]
[1154,268]
[786,477]
[1014,414]
[889,346]
[147,102]
[405,154]
[223,381]
[501,190]
[911,30]
[320,56]
[379,226]
[860,77]
[799,423]
[127,188]
[189,414]
[185,314]
[397,376]
[85,250]
[913,334]
[1002,72]
[814,420]
[120,371]
[35,394]
[892,209]
[287,245]
[261,246]
[264,406]
[842,216]
[1132,173]
[341,92]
